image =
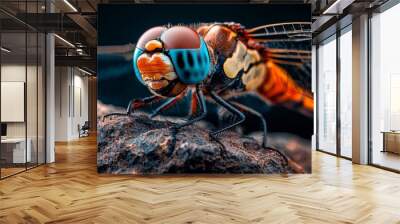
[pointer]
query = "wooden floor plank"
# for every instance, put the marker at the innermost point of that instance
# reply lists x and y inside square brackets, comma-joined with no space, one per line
[71,191]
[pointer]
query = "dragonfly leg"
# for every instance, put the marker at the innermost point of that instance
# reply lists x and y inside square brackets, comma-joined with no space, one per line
[264,124]
[220,101]
[193,106]
[257,114]
[134,105]
[167,104]
[140,103]
[175,129]
[114,114]
[203,109]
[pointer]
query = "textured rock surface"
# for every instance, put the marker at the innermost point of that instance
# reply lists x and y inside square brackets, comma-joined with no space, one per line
[139,145]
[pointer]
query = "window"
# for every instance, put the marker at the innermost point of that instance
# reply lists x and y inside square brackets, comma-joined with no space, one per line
[327,95]
[385,89]
[345,92]
[22,77]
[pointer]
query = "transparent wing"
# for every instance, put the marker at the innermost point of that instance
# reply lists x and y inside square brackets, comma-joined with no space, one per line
[289,45]
[295,59]
[278,32]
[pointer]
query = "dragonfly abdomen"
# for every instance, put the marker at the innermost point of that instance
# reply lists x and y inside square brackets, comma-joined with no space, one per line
[279,88]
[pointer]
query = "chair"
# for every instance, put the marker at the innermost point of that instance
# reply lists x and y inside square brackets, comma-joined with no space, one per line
[84,130]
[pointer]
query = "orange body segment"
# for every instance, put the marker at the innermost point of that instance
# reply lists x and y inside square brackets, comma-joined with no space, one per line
[193,107]
[280,88]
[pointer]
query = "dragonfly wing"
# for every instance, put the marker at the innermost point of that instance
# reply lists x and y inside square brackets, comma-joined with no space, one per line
[292,31]
[289,45]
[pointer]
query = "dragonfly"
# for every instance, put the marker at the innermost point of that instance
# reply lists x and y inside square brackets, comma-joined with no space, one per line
[221,61]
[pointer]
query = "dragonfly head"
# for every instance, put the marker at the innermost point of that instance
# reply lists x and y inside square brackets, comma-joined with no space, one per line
[167,60]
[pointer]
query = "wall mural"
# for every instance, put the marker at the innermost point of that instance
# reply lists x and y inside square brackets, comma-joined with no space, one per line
[204,89]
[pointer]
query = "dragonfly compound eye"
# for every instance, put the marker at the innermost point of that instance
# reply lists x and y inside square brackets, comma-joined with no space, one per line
[167,60]
[151,34]
[188,53]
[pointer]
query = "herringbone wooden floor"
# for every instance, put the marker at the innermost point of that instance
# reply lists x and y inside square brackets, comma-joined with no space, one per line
[71,191]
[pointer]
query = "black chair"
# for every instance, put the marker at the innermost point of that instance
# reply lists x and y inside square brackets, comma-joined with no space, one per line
[84,130]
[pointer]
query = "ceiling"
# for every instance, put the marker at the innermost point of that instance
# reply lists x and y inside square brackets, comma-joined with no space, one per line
[75,21]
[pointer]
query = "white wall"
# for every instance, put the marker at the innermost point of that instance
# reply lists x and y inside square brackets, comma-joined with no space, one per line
[33,127]
[10,73]
[71,102]
[13,73]
[81,104]
[61,103]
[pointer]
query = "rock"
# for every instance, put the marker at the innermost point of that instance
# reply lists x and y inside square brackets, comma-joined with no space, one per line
[140,145]
[103,109]
[296,149]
